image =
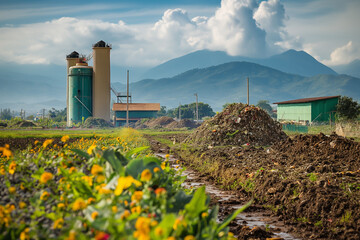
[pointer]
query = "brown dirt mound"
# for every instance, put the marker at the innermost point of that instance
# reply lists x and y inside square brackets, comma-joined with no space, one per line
[159,122]
[184,123]
[238,124]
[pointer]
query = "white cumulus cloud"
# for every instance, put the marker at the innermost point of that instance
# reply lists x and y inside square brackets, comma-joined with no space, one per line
[239,27]
[344,54]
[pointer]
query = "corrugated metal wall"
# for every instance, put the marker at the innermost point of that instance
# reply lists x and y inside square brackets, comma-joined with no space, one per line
[294,112]
[323,109]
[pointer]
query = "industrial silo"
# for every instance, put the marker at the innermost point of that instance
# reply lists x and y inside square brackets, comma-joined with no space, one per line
[101,80]
[71,60]
[80,93]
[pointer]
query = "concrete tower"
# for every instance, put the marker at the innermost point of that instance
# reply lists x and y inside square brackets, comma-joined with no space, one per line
[71,60]
[101,80]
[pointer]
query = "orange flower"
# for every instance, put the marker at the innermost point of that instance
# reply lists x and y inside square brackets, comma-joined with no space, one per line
[47,142]
[58,223]
[44,196]
[160,191]
[12,167]
[94,215]
[65,138]
[96,170]
[24,235]
[22,205]
[102,236]
[79,204]
[137,196]
[45,177]
[156,170]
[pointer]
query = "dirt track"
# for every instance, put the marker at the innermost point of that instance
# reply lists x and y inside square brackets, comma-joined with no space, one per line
[312,182]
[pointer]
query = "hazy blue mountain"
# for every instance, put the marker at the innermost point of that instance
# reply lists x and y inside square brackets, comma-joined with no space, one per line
[296,62]
[227,83]
[291,61]
[352,68]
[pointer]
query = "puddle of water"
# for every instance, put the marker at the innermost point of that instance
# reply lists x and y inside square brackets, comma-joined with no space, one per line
[252,219]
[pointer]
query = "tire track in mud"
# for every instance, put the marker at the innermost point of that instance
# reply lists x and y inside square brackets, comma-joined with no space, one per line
[254,223]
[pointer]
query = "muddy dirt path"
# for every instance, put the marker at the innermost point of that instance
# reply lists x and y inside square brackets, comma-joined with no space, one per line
[254,223]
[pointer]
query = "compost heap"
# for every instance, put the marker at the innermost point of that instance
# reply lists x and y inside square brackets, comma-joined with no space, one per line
[165,122]
[238,124]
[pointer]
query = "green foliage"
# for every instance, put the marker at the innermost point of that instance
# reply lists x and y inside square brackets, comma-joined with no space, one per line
[57,115]
[312,177]
[188,111]
[162,112]
[347,108]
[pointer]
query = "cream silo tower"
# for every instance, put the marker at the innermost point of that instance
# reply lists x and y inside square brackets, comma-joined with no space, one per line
[71,61]
[101,80]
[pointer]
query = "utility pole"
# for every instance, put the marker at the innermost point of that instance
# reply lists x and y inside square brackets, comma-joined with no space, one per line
[179,111]
[197,107]
[248,101]
[127,100]
[43,113]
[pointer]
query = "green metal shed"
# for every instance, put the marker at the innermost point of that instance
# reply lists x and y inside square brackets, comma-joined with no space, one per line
[319,109]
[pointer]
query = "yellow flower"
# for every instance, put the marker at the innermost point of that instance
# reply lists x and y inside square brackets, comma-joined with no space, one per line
[94,215]
[189,237]
[45,177]
[125,214]
[12,190]
[12,167]
[72,235]
[154,223]
[6,151]
[163,165]
[79,204]
[58,223]
[100,178]
[136,209]
[137,196]
[142,226]
[65,138]
[72,170]
[47,142]
[204,214]
[88,180]
[171,238]
[24,235]
[167,156]
[2,171]
[44,196]
[159,231]
[146,175]
[91,148]
[36,142]
[22,205]
[104,191]
[61,205]
[91,200]
[124,183]
[114,209]
[156,169]
[96,170]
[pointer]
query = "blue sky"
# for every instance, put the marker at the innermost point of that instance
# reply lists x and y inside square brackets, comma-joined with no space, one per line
[146,33]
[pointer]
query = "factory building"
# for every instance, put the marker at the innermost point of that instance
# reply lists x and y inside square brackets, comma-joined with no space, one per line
[88,88]
[319,109]
[137,111]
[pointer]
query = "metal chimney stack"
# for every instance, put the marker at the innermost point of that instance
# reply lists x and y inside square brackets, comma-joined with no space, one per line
[101,80]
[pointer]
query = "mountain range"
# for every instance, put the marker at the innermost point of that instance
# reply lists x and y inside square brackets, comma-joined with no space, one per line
[224,83]
[291,61]
[216,77]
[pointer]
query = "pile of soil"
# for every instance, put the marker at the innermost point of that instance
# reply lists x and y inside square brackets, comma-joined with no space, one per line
[166,122]
[184,123]
[238,124]
[92,122]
